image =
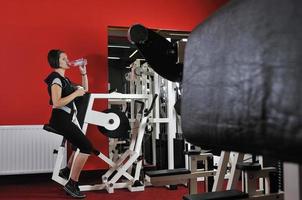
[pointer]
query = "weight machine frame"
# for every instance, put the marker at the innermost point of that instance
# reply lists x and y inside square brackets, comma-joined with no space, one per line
[125,161]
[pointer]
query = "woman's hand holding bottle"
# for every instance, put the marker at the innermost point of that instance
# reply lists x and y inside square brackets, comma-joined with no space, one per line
[80,91]
[81,63]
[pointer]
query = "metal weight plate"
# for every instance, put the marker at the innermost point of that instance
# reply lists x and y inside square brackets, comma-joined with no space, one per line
[123,129]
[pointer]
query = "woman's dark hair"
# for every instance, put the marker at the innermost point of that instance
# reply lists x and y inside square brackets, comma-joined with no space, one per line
[53,58]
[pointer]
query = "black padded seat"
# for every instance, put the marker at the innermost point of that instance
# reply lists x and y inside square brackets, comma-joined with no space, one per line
[221,195]
[248,166]
[192,152]
[167,172]
[47,127]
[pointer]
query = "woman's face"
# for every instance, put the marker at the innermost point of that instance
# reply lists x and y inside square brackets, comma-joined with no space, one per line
[63,61]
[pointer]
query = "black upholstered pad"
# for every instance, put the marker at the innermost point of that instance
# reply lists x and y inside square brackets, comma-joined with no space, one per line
[167,172]
[192,152]
[48,128]
[248,166]
[242,81]
[223,195]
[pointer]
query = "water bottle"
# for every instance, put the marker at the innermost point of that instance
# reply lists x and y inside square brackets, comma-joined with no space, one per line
[78,62]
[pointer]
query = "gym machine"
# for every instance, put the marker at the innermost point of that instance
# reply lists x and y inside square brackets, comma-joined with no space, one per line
[143,80]
[113,124]
[149,43]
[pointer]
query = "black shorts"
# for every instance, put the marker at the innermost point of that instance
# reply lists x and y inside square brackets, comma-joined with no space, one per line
[62,122]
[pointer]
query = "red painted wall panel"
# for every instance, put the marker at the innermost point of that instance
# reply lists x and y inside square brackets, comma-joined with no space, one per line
[30,28]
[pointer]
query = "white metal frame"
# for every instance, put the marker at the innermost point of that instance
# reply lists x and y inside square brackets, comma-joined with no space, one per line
[101,119]
[142,84]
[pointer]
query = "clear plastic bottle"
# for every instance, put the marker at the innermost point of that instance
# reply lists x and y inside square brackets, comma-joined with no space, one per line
[78,62]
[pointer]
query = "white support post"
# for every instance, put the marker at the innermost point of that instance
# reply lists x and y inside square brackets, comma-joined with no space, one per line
[58,164]
[235,173]
[262,181]
[222,166]
[172,123]
[155,134]
[292,181]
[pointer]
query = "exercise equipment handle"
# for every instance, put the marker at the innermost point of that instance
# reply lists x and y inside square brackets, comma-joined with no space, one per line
[152,105]
[142,106]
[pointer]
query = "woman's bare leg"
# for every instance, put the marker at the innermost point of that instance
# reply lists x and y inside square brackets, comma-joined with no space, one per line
[69,164]
[78,165]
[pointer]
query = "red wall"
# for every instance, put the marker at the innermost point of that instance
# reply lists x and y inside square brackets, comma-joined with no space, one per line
[30,28]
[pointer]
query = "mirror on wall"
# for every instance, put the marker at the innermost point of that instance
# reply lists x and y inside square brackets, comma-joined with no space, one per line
[121,53]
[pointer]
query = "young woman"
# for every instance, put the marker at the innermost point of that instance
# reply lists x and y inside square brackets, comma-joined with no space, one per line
[63,118]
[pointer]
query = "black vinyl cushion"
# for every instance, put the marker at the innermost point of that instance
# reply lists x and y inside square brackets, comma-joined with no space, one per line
[48,128]
[222,195]
[192,152]
[248,166]
[167,172]
[242,80]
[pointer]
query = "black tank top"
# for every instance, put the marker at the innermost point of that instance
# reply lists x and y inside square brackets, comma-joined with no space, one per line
[67,87]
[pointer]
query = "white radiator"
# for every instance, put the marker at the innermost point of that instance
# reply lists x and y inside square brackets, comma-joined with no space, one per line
[27,149]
